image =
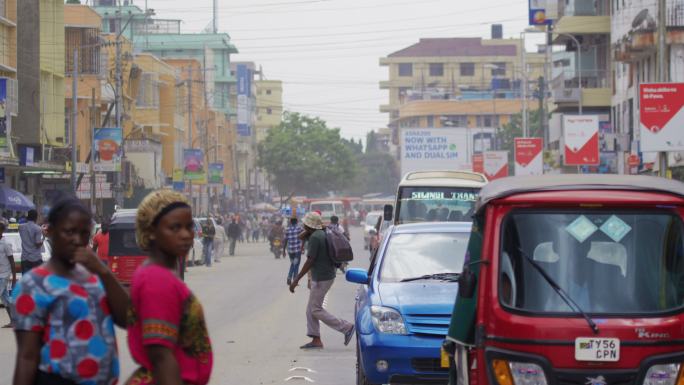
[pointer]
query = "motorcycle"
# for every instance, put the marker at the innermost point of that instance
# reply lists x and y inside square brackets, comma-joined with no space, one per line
[277,248]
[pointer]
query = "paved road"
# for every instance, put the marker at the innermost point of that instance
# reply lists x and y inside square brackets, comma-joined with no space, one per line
[255,323]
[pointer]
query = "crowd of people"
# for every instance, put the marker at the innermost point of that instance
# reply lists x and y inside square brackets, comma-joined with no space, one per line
[64,311]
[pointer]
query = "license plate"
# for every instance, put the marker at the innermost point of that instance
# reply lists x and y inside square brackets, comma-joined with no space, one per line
[597,349]
[444,359]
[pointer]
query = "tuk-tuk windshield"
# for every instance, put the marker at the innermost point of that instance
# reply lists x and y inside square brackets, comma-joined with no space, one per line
[435,204]
[607,262]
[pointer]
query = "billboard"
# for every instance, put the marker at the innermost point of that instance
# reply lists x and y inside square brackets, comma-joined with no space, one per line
[107,149]
[424,149]
[193,165]
[478,163]
[216,173]
[244,94]
[529,157]
[661,121]
[178,180]
[542,12]
[495,164]
[581,137]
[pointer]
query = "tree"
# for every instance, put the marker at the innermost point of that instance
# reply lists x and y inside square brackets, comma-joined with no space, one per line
[304,156]
[513,129]
[371,142]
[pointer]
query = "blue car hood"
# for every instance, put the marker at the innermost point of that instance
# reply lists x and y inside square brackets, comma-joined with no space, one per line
[420,297]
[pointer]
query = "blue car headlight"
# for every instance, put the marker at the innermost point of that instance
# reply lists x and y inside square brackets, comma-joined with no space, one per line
[387,320]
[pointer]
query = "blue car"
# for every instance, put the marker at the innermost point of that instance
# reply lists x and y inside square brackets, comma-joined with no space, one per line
[404,303]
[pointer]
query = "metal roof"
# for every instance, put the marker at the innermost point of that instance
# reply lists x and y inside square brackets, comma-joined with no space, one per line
[432,227]
[458,46]
[505,187]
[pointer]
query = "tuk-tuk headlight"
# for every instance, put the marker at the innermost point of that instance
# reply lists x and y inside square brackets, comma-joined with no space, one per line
[387,320]
[664,374]
[518,373]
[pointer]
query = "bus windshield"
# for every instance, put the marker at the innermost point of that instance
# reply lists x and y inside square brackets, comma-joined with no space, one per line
[435,204]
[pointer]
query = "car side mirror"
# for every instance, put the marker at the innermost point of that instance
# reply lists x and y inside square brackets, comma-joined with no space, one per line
[467,283]
[359,276]
[388,213]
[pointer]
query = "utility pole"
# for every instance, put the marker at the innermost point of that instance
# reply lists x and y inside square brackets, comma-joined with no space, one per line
[215,19]
[118,177]
[524,90]
[74,121]
[93,124]
[190,121]
[662,71]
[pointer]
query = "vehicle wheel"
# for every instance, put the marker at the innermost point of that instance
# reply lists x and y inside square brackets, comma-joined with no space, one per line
[360,375]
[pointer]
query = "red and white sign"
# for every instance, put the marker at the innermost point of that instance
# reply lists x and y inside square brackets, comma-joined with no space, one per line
[633,160]
[580,133]
[478,163]
[662,117]
[495,164]
[529,159]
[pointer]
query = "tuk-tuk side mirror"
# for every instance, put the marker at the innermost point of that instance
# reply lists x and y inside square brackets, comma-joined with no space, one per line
[467,283]
[359,276]
[388,214]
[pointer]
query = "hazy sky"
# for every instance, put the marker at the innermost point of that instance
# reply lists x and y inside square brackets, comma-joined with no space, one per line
[327,51]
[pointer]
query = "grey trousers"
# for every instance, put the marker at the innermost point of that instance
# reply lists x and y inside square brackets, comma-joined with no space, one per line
[315,313]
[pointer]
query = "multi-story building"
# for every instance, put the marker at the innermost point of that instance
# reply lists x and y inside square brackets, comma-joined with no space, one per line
[581,74]
[244,123]
[443,68]
[8,77]
[39,126]
[635,50]
[269,106]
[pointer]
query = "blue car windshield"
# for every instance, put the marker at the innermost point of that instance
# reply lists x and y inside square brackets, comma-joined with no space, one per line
[414,255]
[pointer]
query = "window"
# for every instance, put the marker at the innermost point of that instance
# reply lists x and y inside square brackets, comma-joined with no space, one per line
[3,9]
[608,262]
[430,121]
[414,255]
[268,92]
[436,69]
[148,93]
[269,111]
[467,69]
[499,69]
[405,69]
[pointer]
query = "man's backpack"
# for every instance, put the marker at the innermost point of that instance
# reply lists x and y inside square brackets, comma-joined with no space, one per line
[339,248]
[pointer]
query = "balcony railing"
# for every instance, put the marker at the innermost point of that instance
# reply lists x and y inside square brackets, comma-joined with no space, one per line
[569,79]
[86,41]
[156,26]
[585,8]
[675,13]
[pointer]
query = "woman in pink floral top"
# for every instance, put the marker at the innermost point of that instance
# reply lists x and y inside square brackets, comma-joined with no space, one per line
[167,333]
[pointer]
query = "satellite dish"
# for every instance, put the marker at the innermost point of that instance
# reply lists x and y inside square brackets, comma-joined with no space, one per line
[640,18]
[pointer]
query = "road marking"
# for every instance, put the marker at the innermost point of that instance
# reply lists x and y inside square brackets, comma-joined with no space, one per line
[298,368]
[299,378]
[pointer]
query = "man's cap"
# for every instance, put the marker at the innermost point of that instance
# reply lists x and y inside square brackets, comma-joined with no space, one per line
[313,221]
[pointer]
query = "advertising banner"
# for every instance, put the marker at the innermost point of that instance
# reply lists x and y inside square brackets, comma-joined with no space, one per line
[529,157]
[478,163]
[216,173]
[244,93]
[434,149]
[193,165]
[107,149]
[542,12]
[4,113]
[495,164]
[662,117]
[581,136]
[178,179]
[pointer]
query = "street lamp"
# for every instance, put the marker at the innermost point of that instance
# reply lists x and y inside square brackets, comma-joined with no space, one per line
[578,65]
[491,67]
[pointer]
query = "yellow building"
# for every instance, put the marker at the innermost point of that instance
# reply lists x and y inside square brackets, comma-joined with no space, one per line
[269,106]
[460,113]
[455,68]
[82,30]
[151,146]
[8,68]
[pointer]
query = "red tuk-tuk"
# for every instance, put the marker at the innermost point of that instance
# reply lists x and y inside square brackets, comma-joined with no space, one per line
[572,280]
[125,256]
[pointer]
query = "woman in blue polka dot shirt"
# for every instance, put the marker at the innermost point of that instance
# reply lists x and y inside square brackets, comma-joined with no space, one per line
[66,309]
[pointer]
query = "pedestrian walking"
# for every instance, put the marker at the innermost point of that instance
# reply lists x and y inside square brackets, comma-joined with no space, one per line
[65,309]
[322,278]
[101,242]
[335,226]
[167,332]
[31,242]
[293,247]
[220,241]
[255,230]
[233,235]
[8,274]
[248,230]
[208,233]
